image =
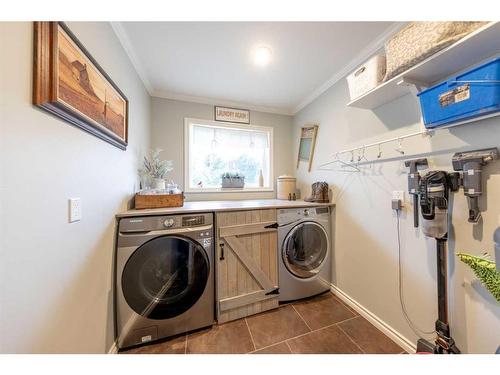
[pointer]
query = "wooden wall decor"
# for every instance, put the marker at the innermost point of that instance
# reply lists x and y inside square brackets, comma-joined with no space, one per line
[247,268]
[70,84]
[226,114]
[306,146]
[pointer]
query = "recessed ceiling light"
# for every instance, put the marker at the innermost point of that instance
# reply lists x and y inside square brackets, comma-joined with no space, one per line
[262,55]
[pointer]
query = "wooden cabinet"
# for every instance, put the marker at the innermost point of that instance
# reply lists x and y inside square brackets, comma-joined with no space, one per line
[246,263]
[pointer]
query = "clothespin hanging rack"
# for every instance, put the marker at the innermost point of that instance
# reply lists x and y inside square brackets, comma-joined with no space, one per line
[343,166]
[361,151]
[399,139]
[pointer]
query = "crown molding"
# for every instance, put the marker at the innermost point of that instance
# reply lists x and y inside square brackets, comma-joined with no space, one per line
[141,71]
[129,50]
[221,102]
[359,59]
[365,53]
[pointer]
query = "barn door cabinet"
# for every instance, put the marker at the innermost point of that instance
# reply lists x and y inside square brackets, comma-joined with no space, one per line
[247,269]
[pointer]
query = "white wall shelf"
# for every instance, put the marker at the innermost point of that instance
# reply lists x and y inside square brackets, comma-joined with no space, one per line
[474,48]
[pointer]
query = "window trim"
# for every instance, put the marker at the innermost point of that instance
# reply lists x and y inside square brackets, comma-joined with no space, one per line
[228,125]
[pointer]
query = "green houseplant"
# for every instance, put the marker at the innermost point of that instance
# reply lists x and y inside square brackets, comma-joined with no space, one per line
[156,169]
[485,270]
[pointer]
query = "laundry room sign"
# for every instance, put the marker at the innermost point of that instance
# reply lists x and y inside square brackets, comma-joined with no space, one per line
[232,115]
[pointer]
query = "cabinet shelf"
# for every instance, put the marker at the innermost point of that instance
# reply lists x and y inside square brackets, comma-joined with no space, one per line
[475,47]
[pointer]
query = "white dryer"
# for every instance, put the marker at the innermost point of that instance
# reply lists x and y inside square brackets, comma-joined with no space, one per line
[304,252]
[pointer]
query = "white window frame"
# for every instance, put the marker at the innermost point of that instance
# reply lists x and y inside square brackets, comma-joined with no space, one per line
[226,125]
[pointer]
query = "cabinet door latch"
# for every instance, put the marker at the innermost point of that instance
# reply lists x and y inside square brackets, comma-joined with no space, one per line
[221,251]
[274,225]
[274,291]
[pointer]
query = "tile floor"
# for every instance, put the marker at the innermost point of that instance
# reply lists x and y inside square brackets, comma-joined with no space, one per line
[319,325]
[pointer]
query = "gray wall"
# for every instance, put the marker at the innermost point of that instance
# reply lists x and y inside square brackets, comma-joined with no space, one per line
[365,247]
[167,133]
[55,277]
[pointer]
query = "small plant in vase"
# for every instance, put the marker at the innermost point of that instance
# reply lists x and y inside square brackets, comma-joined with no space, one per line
[232,180]
[156,169]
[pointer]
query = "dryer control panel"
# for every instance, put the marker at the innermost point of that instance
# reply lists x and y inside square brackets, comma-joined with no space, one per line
[288,215]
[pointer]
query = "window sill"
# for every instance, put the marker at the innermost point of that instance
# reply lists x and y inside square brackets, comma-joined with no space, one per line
[229,190]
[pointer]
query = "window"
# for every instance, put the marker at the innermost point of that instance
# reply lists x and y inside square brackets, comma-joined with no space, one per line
[213,148]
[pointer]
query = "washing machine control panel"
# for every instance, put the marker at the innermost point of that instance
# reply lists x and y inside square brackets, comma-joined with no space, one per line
[169,223]
[190,223]
[206,243]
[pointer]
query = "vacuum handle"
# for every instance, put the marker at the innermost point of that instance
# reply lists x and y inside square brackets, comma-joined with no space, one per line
[415,210]
[413,189]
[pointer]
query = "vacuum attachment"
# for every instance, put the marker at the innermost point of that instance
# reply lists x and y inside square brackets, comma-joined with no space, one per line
[413,183]
[470,163]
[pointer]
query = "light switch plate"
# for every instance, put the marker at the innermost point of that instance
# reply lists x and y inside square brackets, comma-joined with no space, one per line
[75,210]
[399,195]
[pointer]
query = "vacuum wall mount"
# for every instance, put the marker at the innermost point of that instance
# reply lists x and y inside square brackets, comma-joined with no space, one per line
[470,165]
[413,183]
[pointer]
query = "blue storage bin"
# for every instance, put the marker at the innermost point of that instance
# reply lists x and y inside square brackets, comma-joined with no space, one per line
[463,97]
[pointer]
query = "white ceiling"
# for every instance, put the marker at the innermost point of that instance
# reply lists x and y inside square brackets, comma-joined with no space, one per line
[211,62]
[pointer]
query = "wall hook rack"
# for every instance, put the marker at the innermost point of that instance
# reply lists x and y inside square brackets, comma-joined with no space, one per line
[361,150]
[400,147]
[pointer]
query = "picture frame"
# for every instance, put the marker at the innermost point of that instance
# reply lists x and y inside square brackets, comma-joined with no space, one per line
[228,114]
[307,144]
[69,83]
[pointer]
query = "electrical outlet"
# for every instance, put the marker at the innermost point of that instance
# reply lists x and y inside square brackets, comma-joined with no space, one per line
[399,195]
[75,210]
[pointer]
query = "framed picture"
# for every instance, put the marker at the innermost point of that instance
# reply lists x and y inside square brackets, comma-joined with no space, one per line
[70,84]
[227,114]
[307,143]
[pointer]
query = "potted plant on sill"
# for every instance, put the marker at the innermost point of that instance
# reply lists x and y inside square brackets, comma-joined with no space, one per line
[232,180]
[156,169]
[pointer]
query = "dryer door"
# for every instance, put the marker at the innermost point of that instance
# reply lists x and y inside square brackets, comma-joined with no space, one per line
[165,277]
[305,249]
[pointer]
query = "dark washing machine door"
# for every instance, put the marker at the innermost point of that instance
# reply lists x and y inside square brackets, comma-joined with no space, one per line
[305,249]
[165,277]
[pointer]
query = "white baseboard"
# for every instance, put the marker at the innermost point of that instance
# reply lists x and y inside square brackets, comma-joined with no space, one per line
[113,349]
[390,332]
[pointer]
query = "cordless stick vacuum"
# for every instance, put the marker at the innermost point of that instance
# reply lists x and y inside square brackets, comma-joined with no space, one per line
[433,193]
[434,190]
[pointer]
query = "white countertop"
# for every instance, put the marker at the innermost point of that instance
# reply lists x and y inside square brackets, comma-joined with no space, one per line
[218,206]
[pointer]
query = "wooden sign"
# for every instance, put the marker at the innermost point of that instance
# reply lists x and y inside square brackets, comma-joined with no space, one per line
[226,114]
[69,83]
[306,146]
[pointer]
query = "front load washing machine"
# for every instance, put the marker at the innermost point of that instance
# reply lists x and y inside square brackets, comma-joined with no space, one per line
[304,252]
[164,277]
